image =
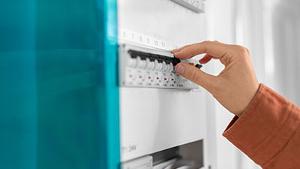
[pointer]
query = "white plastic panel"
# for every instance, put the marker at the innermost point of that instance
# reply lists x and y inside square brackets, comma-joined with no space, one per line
[160,20]
[157,119]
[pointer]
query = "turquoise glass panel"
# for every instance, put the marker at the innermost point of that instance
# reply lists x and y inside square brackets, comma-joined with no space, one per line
[18,97]
[58,91]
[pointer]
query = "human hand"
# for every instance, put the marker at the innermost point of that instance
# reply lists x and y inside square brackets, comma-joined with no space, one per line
[235,86]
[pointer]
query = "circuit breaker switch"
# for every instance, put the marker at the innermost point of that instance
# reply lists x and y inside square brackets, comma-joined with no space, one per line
[141,63]
[199,66]
[150,64]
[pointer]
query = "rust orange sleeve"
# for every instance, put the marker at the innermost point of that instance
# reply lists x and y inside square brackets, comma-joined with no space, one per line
[268,131]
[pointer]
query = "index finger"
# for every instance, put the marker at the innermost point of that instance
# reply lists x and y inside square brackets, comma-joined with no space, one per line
[213,48]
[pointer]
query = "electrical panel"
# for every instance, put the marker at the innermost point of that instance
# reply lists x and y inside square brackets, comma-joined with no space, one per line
[160,110]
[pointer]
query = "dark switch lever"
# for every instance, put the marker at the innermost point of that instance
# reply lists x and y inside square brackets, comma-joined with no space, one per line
[199,66]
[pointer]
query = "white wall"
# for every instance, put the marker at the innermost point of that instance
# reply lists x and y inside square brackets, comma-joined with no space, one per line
[270,30]
[240,22]
[221,28]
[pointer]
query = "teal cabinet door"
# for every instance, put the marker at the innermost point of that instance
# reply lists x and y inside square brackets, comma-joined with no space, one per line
[59,93]
[18,97]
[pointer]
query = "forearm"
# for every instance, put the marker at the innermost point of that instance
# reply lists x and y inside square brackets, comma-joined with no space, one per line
[268,131]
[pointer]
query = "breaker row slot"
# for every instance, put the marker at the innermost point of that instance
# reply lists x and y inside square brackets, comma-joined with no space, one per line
[152,57]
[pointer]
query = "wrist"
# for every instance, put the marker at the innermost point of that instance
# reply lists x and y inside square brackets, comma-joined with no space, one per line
[251,100]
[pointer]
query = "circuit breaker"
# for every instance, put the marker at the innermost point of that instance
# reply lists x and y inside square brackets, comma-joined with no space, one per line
[153,68]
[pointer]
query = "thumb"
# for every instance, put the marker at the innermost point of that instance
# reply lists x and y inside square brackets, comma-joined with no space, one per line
[196,75]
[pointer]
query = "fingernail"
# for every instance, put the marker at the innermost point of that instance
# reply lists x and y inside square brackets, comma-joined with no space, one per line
[179,69]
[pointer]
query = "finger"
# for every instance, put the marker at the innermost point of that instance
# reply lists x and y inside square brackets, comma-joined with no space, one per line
[196,75]
[205,59]
[213,48]
[176,50]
